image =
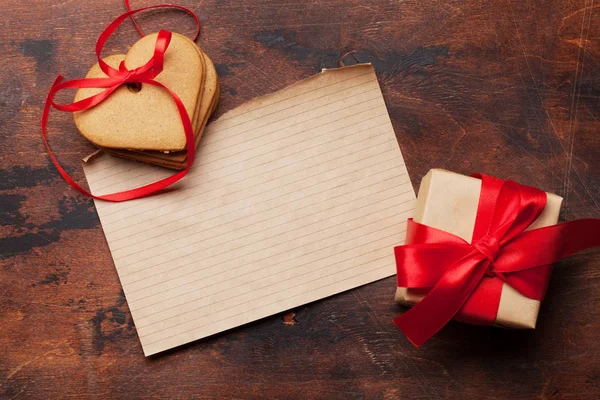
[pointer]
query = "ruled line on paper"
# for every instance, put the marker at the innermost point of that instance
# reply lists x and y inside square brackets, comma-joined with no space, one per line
[293,197]
[164,296]
[208,130]
[225,118]
[231,208]
[130,292]
[198,273]
[126,264]
[212,255]
[319,107]
[196,269]
[211,284]
[163,271]
[146,172]
[193,194]
[244,150]
[178,306]
[278,119]
[192,280]
[251,314]
[190,194]
[316,288]
[240,304]
[280,290]
[166,232]
[278,114]
[178,228]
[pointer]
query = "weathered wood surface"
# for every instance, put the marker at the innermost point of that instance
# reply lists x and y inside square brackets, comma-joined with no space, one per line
[508,87]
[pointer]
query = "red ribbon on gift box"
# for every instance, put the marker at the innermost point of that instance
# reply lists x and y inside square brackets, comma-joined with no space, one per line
[469,276]
[116,78]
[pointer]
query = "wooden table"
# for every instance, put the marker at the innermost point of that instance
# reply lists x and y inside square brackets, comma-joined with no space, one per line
[510,88]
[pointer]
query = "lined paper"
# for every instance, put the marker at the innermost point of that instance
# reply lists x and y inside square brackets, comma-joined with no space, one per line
[293,197]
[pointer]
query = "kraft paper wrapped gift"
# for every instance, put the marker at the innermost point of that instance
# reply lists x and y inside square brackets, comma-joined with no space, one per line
[449,201]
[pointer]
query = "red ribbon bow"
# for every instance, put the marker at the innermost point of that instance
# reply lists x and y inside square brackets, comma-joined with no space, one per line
[469,276]
[116,78]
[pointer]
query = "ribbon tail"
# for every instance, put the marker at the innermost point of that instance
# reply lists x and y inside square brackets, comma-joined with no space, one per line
[440,305]
[548,245]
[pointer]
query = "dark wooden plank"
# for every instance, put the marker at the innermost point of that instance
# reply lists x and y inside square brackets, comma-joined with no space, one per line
[510,88]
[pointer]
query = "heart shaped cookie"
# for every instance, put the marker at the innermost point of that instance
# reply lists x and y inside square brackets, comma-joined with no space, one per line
[207,105]
[146,119]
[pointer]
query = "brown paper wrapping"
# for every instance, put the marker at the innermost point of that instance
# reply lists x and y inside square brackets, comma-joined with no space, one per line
[448,201]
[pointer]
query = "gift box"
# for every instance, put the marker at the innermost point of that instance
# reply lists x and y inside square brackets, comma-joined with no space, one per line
[449,202]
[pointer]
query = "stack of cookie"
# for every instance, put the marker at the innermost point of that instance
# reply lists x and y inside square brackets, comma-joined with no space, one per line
[141,122]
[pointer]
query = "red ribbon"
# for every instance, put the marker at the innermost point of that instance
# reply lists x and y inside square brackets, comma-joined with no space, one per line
[467,278]
[116,78]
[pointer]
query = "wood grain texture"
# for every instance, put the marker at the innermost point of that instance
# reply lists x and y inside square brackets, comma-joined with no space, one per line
[510,88]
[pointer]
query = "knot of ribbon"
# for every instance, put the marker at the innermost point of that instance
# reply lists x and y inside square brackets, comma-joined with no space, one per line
[489,246]
[114,79]
[468,277]
[148,71]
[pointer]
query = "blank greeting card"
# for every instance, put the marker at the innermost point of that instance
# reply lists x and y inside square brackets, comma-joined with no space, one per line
[294,196]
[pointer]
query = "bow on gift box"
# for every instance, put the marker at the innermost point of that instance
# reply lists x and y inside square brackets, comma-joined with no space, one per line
[462,274]
[116,78]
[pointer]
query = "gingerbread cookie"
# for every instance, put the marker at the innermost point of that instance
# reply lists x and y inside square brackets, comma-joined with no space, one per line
[207,105]
[146,119]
